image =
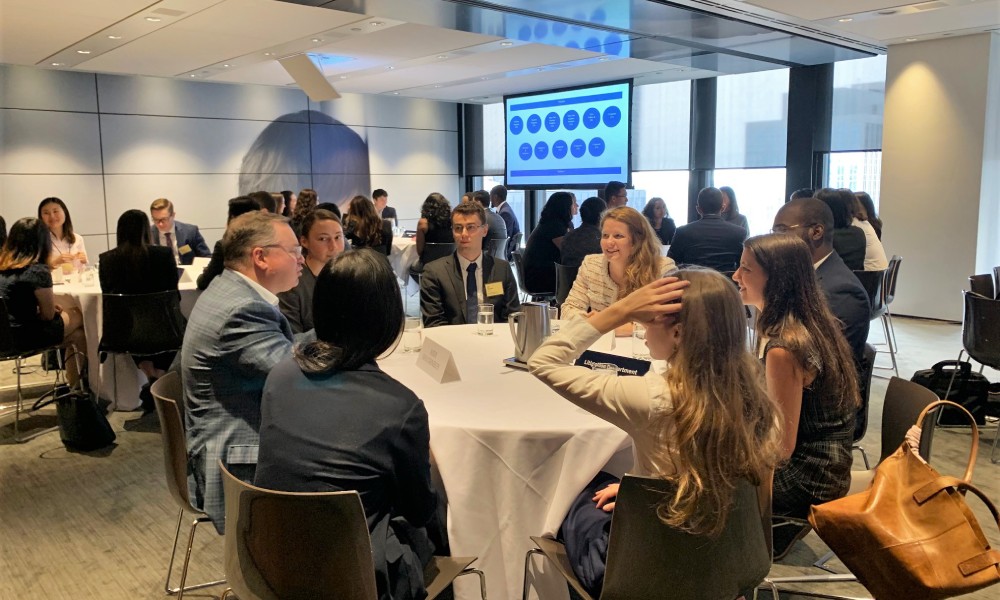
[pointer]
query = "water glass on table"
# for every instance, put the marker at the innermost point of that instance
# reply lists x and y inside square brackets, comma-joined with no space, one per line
[553,317]
[484,324]
[639,348]
[413,335]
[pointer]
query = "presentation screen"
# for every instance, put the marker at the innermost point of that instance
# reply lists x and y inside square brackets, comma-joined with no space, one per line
[571,138]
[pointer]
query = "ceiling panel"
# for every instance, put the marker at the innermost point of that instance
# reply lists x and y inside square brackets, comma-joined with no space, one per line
[967,18]
[815,11]
[406,41]
[227,30]
[22,23]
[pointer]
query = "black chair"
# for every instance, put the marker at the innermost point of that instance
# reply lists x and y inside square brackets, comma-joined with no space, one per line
[534,295]
[865,371]
[497,247]
[514,244]
[874,284]
[996,281]
[889,294]
[648,560]
[9,351]
[432,252]
[565,276]
[982,285]
[980,339]
[142,324]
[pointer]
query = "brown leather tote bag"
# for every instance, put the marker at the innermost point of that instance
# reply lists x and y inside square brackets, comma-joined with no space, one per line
[911,534]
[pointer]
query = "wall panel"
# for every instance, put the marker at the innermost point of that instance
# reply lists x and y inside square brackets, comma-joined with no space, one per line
[34,141]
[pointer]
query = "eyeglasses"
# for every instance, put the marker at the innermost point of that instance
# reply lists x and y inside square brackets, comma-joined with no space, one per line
[787,228]
[295,252]
[163,220]
[470,228]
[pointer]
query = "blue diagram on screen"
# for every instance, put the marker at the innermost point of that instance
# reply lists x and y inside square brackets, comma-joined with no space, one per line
[570,137]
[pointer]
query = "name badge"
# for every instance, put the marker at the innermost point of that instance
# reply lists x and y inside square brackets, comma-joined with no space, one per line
[624,365]
[184,249]
[494,289]
[437,361]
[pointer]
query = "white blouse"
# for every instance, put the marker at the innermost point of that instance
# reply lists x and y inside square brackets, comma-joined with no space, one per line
[594,289]
[64,247]
[630,403]
[875,259]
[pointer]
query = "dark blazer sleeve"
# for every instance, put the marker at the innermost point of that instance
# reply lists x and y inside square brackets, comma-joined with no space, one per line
[432,294]
[197,243]
[387,237]
[214,268]
[107,271]
[290,304]
[509,302]
[162,269]
[678,246]
[850,304]
[416,499]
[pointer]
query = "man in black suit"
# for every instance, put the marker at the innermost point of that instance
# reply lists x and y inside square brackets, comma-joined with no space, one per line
[710,241]
[453,287]
[381,199]
[812,221]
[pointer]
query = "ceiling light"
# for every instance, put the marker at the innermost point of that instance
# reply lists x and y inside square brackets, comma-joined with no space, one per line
[114,37]
[442,56]
[845,20]
[269,54]
[395,93]
[437,86]
[154,19]
[355,29]
[540,69]
[83,51]
[506,44]
[226,66]
[316,40]
[886,13]
[57,64]
[484,78]
[389,68]
[343,76]
[192,75]
[376,23]
[911,39]
[603,59]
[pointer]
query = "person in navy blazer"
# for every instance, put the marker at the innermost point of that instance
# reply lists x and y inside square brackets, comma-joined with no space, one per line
[711,241]
[185,241]
[443,285]
[812,220]
[234,337]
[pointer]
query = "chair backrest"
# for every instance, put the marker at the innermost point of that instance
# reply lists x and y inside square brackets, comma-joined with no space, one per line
[497,247]
[518,259]
[514,245]
[142,324]
[903,402]
[872,282]
[434,251]
[565,276]
[982,285]
[996,281]
[891,276]
[282,545]
[866,368]
[168,397]
[6,334]
[646,558]
[981,329]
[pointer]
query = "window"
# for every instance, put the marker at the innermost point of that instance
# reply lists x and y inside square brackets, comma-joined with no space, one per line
[672,186]
[858,103]
[661,124]
[857,171]
[494,140]
[751,123]
[759,194]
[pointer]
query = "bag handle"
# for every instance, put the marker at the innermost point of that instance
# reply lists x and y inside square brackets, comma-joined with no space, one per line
[944,482]
[962,366]
[989,557]
[975,431]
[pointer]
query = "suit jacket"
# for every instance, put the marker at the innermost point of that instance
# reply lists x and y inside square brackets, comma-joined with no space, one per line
[848,301]
[233,339]
[498,228]
[355,430]
[709,242]
[390,213]
[215,267]
[510,220]
[156,273]
[442,291]
[187,236]
[850,244]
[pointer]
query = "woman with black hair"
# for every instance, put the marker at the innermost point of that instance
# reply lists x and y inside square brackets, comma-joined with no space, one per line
[848,241]
[731,210]
[870,214]
[542,251]
[332,420]
[434,227]
[66,247]
[36,321]
[659,218]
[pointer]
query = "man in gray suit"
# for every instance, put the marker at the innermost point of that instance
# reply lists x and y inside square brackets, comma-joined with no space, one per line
[496,229]
[453,287]
[234,336]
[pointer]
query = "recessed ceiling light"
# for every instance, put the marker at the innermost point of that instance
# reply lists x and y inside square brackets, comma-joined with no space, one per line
[484,78]
[114,37]
[886,13]
[269,54]
[355,29]
[57,64]
[154,19]
[316,40]
[395,93]
[437,86]
[226,66]
[506,44]
[389,68]
[83,51]
[845,20]
[911,39]
[343,76]
[540,69]
[376,23]
[442,56]
[604,59]
[192,75]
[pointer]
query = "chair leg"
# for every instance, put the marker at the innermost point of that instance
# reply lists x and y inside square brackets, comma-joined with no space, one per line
[864,456]
[953,373]
[19,404]
[993,448]
[889,341]
[821,562]
[892,328]
[767,584]
[527,564]
[181,588]
[482,580]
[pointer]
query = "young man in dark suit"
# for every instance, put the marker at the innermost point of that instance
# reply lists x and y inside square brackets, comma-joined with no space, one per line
[184,240]
[381,199]
[453,287]
[710,241]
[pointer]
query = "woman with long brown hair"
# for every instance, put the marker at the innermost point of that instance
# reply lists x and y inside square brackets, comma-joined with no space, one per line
[67,246]
[305,203]
[630,259]
[365,228]
[809,371]
[704,424]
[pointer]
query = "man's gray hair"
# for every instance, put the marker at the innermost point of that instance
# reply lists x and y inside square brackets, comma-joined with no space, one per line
[246,232]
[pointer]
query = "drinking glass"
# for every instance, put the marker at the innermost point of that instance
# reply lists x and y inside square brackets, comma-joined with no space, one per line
[90,276]
[412,334]
[484,324]
[639,349]
[553,317]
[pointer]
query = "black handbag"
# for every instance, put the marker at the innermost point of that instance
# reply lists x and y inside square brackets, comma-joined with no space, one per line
[82,424]
[970,389]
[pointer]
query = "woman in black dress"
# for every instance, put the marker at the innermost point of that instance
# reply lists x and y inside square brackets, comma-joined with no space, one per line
[36,321]
[332,420]
[542,251]
[658,216]
[365,228]
[434,227]
[731,210]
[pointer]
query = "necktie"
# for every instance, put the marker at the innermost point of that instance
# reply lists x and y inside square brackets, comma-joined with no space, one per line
[170,242]
[471,301]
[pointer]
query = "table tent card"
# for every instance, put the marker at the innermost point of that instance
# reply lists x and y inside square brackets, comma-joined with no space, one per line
[438,362]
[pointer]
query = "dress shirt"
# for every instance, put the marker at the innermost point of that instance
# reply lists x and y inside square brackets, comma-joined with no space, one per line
[479,274]
[173,240]
[263,291]
[819,262]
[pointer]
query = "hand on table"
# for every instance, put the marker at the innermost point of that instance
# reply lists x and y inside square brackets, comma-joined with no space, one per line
[605,498]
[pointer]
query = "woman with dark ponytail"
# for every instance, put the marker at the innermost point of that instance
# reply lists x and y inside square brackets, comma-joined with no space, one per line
[331,420]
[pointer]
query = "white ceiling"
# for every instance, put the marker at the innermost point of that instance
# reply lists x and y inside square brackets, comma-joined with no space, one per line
[240,40]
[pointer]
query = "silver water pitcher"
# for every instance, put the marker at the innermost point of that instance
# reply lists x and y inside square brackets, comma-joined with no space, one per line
[529,327]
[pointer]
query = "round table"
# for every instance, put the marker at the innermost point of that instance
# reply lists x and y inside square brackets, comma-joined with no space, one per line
[117,380]
[402,255]
[512,454]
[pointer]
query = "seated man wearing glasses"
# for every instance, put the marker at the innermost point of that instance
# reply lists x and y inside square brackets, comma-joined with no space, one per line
[235,335]
[183,239]
[453,287]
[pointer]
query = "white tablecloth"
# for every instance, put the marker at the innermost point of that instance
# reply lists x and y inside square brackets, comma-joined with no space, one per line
[403,255]
[118,380]
[512,454]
